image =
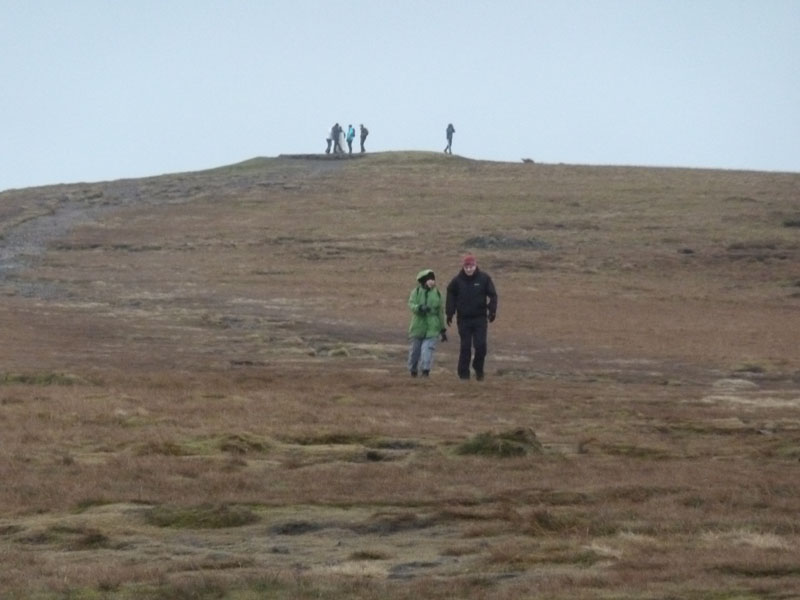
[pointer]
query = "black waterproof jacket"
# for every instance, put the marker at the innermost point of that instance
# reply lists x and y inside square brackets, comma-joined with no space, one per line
[471,297]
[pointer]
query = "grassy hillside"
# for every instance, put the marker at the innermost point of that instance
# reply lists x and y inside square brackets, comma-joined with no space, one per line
[203,390]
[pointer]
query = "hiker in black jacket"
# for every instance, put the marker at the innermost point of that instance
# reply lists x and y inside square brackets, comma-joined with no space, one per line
[472,298]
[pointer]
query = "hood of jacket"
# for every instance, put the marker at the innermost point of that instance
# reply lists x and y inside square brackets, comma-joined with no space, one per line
[423,275]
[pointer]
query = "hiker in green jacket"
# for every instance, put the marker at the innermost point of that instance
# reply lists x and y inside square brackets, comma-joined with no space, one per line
[427,323]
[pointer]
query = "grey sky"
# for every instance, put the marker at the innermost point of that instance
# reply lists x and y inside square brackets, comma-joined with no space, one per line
[100,89]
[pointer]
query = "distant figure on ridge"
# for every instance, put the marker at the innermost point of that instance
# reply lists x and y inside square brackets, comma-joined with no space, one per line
[336,132]
[450,131]
[364,134]
[351,134]
[329,139]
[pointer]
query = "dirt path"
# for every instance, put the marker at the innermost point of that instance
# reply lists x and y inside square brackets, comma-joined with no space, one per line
[54,211]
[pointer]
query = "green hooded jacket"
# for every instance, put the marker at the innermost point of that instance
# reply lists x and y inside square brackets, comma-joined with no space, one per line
[431,323]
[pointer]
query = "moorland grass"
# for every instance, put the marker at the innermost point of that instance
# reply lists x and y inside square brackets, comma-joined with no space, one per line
[219,449]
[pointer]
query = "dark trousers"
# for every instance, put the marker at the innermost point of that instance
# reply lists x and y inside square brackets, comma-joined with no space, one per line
[363,139]
[473,333]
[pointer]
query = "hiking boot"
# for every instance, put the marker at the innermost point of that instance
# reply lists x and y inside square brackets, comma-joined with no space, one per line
[479,376]
[425,373]
[413,373]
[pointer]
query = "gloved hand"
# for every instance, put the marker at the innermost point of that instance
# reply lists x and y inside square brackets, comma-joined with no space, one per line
[449,320]
[492,317]
[443,335]
[423,309]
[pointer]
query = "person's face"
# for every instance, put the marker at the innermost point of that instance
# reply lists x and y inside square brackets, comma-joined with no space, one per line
[430,283]
[470,268]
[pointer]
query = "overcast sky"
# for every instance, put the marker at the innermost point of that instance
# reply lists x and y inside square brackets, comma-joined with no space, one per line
[93,90]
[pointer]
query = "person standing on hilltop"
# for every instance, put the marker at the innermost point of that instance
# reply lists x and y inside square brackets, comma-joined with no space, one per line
[427,323]
[472,297]
[351,134]
[329,139]
[450,131]
[364,134]
[336,133]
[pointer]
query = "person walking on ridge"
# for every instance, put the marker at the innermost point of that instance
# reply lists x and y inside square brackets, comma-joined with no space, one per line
[427,323]
[450,131]
[472,297]
[351,134]
[364,134]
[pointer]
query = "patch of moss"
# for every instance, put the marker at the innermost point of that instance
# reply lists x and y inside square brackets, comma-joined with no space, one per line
[42,379]
[201,517]
[89,503]
[332,439]
[765,570]
[163,448]
[242,443]
[518,442]
[368,555]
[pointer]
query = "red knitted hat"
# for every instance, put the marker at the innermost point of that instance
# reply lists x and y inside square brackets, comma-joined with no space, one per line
[469,260]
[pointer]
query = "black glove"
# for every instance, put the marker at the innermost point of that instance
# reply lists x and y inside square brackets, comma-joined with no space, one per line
[449,320]
[423,309]
[491,317]
[443,334]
